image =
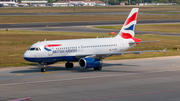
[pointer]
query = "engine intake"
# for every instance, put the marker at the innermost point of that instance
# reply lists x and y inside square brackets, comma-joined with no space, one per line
[90,62]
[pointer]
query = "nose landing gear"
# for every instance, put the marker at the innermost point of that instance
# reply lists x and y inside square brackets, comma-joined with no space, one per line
[43,69]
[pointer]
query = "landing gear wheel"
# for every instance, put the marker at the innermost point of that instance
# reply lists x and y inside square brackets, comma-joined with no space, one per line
[43,70]
[69,65]
[95,68]
[98,68]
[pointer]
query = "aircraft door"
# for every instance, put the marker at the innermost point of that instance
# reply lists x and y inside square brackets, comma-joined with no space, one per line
[79,49]
[82,49]
[50,52]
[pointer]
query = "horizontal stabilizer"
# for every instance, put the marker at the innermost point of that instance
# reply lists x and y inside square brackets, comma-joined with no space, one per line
[144,41]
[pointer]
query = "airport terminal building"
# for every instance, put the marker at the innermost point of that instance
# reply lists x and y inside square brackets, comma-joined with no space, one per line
[36,3]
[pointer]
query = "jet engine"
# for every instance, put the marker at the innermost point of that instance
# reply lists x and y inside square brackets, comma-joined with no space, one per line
[90,62]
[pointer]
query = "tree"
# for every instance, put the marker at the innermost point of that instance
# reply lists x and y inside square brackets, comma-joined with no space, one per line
[133,3]
[113,2]
[176,1]
[51,1]
[138,1]
[159,1]
[102,0]
[20,1]
[165,1]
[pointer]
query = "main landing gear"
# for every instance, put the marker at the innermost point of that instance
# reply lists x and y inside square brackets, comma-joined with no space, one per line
[43,69]
[69,65]
[98,68]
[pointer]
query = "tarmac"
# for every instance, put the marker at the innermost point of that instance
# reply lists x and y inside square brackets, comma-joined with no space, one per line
[147,79]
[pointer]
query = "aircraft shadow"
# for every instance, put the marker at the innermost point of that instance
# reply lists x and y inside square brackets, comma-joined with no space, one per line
[50,68]
[118,64]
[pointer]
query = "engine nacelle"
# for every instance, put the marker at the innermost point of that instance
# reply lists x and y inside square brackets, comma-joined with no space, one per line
[90,62]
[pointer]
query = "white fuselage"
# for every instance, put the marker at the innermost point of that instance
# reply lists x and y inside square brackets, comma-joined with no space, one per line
[71,48]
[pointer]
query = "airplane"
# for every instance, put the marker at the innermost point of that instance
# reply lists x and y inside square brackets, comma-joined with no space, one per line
[7,4]
[88,52]
[4,5]
[77,3]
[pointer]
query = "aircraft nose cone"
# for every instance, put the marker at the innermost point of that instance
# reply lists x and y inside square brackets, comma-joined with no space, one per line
[26,56]
[29,56]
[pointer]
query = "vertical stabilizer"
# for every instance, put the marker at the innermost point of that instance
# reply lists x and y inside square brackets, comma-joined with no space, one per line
[128,29]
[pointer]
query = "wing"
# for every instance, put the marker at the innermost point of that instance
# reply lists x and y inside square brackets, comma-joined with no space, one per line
[104,55]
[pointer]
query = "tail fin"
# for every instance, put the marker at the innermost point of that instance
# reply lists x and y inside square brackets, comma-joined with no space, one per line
[128,29]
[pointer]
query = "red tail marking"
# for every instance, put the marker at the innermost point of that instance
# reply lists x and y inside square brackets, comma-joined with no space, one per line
[126,35]
[132,18]
[136,40]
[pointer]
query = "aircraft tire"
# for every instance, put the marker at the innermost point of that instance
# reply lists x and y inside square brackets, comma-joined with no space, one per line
[98,68]
[69,65]
[43,70]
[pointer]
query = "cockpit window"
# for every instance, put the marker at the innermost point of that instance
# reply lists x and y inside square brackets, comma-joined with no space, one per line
[34,49]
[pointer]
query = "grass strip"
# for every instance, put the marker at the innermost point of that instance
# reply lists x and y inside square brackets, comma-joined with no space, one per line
[162,12]
[78,18]
[171,28]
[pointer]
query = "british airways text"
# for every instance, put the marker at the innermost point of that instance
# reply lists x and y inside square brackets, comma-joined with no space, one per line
[64,51]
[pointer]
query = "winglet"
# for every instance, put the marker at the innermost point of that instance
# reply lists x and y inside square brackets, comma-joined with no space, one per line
[164,50]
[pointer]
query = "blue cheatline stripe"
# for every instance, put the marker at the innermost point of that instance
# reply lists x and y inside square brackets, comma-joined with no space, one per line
[50,60]
[130,28]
